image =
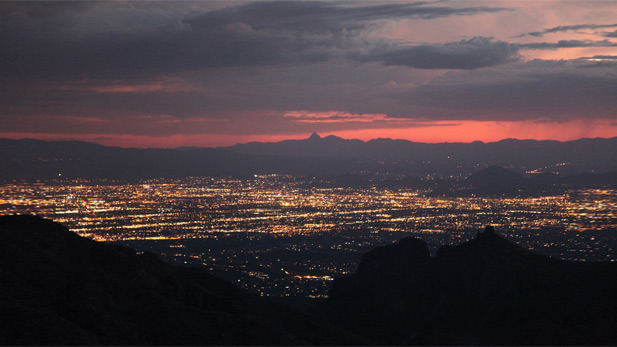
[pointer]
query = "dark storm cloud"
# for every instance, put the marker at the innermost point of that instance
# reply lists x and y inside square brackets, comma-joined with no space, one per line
[325,17]
[610,34]
[466,54]
[55,41]
[562,28]
[567,44]
[556,90]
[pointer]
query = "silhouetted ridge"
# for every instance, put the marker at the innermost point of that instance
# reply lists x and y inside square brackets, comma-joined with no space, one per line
[487,244]
[487,291]
[314,136]
[57,288]
[407,252]
[330,155]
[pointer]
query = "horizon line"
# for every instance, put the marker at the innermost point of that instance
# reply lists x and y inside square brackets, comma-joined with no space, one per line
[313,135]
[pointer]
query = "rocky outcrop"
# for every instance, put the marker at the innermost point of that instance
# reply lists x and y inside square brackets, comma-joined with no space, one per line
[487,291]
[57,288]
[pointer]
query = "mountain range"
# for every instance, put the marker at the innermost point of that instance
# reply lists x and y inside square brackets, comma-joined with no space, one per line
[58,288]
[317,156]
[531,152]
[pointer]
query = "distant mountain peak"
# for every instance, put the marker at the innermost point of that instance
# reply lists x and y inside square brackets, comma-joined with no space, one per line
[314,136]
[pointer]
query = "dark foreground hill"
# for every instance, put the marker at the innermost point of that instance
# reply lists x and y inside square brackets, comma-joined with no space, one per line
[487,291]
[57,288]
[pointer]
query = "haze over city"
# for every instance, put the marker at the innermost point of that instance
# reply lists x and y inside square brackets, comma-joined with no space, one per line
[206,73]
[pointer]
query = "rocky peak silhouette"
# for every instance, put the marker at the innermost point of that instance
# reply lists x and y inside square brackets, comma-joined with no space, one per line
[314,136]
[486,291]
[488,231]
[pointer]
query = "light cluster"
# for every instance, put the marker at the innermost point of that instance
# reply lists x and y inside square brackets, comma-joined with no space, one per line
[281,235]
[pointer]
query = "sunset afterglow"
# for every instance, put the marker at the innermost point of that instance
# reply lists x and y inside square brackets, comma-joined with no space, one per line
[430,132]
[203,73]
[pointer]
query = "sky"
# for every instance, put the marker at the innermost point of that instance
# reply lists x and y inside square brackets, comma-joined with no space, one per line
[206,73]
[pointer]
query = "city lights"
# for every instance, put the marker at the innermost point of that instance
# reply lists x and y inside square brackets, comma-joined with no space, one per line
[318,233]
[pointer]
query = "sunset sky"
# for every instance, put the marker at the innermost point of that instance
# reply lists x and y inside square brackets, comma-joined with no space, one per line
[203,73]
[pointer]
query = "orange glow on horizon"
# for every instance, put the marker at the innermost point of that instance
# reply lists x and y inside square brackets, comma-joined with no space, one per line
[490,131]
[430,132]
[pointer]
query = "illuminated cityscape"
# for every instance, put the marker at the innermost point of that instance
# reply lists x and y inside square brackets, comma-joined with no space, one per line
[280,236]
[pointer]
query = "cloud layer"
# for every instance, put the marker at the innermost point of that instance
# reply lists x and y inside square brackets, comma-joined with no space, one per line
[56,41]
[464,55]
[171,68]
[562,28]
